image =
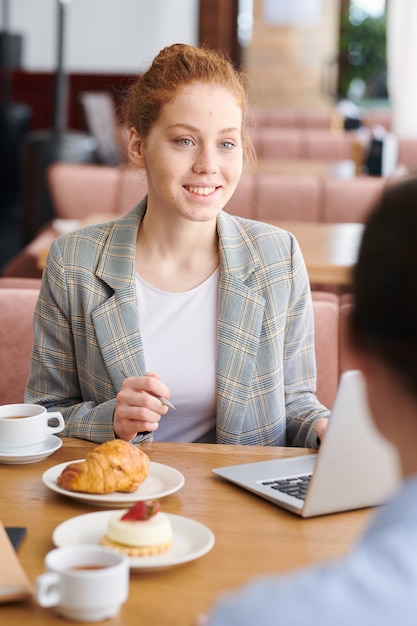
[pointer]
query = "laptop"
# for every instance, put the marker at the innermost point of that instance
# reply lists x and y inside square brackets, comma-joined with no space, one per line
[355,466]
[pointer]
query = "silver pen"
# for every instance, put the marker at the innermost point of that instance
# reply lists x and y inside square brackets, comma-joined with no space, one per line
[160,398]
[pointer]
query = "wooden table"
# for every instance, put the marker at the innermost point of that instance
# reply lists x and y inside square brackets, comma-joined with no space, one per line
[252,535]
[330,250]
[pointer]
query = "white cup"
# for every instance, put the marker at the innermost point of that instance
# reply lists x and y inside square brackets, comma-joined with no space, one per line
[85,583]
[26,426]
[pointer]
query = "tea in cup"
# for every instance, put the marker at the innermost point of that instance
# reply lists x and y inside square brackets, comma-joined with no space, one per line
[25,427]
[86,583]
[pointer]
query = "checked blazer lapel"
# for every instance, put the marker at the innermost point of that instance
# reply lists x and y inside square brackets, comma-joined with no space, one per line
[240,317]
[116,320]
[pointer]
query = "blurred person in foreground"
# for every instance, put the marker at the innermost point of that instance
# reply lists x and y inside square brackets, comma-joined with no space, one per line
[376,583]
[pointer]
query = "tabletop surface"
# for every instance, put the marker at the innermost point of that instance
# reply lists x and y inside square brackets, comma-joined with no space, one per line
[252,536]
[330,250]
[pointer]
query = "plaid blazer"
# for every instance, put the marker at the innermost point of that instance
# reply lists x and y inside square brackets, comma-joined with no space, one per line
[86,331]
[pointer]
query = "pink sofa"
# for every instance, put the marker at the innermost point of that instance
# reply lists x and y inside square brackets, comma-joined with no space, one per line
[313,117]
[16,338]
[306,198]
[301,143]
[322,144]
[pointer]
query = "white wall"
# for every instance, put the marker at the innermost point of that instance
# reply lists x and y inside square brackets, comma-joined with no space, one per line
[115,36]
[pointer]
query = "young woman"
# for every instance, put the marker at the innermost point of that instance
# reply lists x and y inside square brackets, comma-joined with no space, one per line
[177,299]
[377,582]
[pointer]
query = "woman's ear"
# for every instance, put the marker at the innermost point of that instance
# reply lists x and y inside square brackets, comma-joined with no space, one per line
[135,148]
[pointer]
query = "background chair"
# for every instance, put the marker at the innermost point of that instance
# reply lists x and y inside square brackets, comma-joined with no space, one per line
[326,334]
[79,189]
[101,122]
[350,200]
[16,339]
[288,197]
[17,282]
[242,202]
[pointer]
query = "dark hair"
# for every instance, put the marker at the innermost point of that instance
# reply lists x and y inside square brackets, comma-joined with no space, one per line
[174,67]
[384,314]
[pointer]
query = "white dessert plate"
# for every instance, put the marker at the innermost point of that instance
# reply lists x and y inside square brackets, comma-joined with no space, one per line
[50,445]
[161,481]
[191,540]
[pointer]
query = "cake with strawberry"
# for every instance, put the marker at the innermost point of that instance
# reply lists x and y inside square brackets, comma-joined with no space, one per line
[142,530]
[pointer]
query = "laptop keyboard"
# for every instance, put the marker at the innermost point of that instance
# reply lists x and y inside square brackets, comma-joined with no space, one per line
[296,486]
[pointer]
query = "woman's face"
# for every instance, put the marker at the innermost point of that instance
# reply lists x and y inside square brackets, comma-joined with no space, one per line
[193,154]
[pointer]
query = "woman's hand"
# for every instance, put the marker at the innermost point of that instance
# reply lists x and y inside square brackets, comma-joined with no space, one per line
[138,408]
[321,426]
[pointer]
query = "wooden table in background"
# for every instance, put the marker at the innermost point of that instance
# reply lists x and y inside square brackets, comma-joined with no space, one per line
[252,535]
[330,250]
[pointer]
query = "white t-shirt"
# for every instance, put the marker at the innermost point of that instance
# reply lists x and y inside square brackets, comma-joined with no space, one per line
[179,340]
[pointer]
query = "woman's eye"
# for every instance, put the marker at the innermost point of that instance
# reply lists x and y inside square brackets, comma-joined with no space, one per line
[185,142]
[227,145]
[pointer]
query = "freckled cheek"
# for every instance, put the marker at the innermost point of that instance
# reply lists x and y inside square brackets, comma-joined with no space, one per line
[235,172]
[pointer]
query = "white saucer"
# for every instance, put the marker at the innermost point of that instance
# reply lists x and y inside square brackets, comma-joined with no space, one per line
[50,445]
[191,539]
[161,481]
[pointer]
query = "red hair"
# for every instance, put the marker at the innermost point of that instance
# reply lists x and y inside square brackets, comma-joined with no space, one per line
[174,67]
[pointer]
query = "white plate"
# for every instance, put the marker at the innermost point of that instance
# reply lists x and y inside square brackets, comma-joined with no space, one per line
[50,445]
[161,481]
[190,541]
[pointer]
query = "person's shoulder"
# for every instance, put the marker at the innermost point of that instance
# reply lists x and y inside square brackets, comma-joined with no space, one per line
[86,231]
[84,243]
[92,233]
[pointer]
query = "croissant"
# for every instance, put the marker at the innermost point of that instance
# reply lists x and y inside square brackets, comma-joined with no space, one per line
[115,465]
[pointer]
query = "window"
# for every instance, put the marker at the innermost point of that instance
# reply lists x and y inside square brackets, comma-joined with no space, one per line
[362,43]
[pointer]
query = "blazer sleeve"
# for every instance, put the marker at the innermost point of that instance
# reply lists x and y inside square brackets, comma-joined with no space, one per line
[53,379]
[303,408]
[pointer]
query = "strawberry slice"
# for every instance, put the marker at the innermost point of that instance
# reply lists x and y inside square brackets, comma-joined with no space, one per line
[142,511]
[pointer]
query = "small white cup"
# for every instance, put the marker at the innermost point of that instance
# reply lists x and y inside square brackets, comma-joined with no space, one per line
[85,583]
[26,426]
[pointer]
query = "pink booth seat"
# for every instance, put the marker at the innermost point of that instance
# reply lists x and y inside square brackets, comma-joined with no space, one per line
[16,338]
[80,189]
[328,145]
[291,117]
[407,153]
[288,197]
[314,117]
[242,202]
[347,200]
[279,143]
[346,361]
[17,282]
[326,332]
[286,117]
